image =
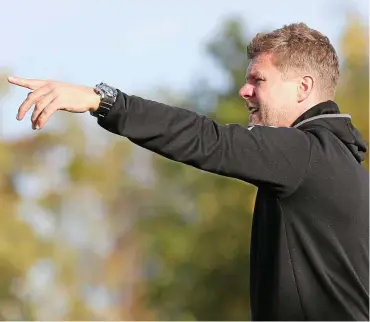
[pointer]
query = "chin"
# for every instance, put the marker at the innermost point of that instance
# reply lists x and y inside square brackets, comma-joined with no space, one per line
[255,120]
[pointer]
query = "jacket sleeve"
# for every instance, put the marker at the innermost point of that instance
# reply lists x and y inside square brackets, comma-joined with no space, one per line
[264,156]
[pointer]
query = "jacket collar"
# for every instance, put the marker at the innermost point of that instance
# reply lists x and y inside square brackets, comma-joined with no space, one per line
[328,109]
[327,115]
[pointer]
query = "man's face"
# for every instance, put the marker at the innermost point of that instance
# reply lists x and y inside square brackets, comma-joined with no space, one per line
[270,98]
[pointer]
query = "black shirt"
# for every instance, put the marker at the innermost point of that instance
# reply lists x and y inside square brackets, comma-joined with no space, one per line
[310,234]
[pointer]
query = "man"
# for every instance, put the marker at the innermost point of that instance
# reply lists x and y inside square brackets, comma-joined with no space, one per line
[309,248]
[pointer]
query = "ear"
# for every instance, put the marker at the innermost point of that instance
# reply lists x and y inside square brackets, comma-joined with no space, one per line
[305,87]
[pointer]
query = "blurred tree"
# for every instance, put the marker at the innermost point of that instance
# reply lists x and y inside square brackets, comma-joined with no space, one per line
[17,241]
[91,200]
[198,227]
[93,228]
[18,251]
[67,246]
[353,92]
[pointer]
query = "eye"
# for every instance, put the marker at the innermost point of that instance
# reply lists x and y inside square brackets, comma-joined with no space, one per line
[259,80]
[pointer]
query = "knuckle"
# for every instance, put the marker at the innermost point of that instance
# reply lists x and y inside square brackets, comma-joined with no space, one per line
[50,85]
[39,104]
[57,101]
[56,90]
[44,113]
[30,96]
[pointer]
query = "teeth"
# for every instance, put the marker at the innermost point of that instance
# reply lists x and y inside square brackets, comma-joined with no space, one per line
[255,109]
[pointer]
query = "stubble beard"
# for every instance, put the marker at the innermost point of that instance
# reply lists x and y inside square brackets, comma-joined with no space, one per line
[268,116]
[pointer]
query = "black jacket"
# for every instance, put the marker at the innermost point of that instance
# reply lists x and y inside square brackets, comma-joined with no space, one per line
[310,234]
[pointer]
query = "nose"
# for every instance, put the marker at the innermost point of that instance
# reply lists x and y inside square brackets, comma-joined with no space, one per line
[247,91]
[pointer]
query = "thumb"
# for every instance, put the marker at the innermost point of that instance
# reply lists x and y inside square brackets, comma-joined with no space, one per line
[27,83]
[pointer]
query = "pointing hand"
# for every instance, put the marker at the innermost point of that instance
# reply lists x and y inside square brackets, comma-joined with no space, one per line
[49,96]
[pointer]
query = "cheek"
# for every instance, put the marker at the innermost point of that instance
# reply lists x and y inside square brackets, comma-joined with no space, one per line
[262,92]
[290,91]
[265,92]
[280,94]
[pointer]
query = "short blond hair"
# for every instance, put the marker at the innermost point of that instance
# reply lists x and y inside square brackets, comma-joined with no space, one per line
[296,47]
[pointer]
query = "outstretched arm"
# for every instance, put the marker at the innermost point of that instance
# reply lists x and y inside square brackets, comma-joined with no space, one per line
[264,156]
[276,157]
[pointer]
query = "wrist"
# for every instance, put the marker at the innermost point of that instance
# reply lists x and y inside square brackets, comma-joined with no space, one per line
[104,100]
[95,101]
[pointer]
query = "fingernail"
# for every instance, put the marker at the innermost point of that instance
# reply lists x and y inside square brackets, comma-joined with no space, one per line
[37,127]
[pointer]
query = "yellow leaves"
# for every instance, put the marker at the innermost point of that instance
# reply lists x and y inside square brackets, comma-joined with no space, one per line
[4,85]
[51,201]
[18,244]
[80,169]
[353,90]
[79,311]
[6,158]
[209,205]
[355,40]
[195,226]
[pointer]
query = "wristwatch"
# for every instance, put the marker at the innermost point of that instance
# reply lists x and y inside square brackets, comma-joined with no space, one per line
[108,96]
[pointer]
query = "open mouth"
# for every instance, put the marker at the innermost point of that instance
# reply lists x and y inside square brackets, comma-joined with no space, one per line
[253,110]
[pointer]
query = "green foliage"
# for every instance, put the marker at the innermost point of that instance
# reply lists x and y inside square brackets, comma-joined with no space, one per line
[176,248]
[353,92]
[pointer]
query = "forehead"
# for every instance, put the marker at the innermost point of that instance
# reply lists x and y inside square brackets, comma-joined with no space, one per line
[260,65]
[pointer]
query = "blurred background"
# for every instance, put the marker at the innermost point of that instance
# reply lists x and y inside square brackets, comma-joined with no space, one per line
[95,228]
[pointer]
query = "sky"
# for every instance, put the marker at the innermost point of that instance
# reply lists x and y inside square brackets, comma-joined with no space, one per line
[135,45]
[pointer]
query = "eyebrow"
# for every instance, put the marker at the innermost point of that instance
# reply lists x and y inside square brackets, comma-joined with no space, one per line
[254,75]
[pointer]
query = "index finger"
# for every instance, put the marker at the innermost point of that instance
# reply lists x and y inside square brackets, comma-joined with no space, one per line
[27,83]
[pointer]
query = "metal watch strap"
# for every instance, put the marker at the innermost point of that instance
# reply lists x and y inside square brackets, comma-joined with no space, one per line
[108,96]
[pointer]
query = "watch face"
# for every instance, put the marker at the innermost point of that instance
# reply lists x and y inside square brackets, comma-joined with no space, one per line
[108,89]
